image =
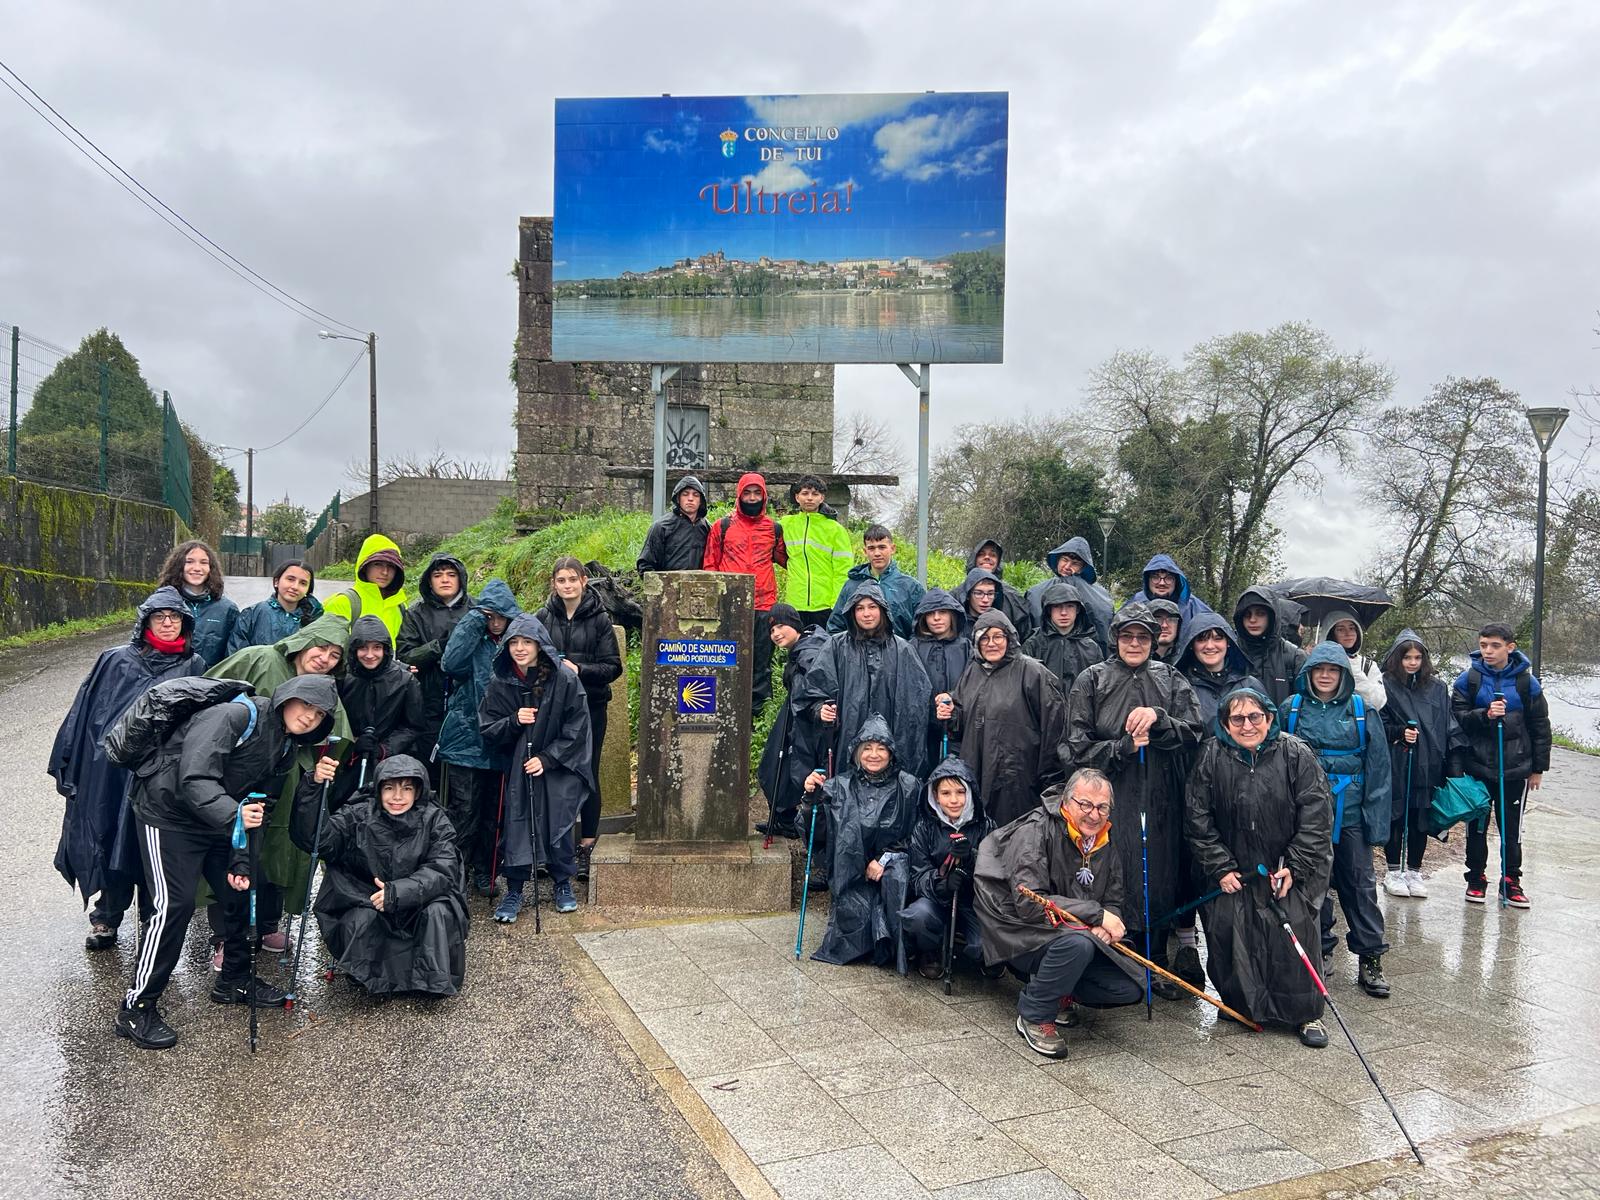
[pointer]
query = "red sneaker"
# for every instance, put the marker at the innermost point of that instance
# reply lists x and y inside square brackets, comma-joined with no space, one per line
[1514,896]
[1475,890]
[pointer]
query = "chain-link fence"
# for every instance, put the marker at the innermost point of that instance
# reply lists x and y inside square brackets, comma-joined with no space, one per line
[87,419]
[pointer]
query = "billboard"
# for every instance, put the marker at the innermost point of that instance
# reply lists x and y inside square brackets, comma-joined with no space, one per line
[844,228]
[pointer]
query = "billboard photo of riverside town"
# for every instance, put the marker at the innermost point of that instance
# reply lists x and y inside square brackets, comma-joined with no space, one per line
[856,228]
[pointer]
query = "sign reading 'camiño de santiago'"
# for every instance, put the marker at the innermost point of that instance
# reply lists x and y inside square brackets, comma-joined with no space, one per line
[844,228]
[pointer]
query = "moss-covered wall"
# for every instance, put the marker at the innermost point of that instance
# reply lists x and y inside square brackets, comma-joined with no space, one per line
[67,554]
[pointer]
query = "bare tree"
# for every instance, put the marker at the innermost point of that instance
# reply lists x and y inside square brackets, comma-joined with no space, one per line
[863,445]
[440,464]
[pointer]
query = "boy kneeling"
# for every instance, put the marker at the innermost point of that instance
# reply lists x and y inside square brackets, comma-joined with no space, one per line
[1061,851]
[393,905]
[944,844]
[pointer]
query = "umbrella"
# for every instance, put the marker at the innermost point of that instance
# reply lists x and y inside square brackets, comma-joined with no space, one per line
[1321,594]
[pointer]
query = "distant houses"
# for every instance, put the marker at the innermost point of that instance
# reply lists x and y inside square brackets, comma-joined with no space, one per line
[846,273]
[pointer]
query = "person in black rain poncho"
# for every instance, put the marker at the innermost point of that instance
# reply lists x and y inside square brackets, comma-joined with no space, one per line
[392,907]
[1211,659]
[944,846]
[1117,708]
[797,743]
[1010,716]
[871,807]
[1073,559]
[989,555]
[1065,641]
[874,671]
[1257,798]
[442,600]
[99,851]
[382,701]
[1170,618]
[944,650]
[536,712]
[1274,660]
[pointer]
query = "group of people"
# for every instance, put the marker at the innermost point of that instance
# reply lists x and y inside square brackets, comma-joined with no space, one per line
[414,747]
[1155,771]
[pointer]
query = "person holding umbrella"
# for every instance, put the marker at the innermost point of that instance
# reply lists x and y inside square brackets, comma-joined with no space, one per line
[1425,745]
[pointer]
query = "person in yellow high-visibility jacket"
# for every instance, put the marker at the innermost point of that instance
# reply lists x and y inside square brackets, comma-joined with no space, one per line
[379,590]
[820,553]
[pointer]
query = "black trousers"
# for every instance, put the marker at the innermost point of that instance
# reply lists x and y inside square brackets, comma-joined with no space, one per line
[116,898]
[174,863]
[1357,885]
[1069,965]
[923,923]
[589,817]
[761,677]
[1510,833]
[1416,841]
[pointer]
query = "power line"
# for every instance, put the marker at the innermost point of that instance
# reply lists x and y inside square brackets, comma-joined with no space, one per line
[324,404]
[183,227]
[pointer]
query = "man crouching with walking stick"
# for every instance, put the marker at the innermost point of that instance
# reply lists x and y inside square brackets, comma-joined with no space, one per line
[1060,850]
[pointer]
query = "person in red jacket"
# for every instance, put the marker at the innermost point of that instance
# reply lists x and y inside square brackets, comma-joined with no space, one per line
[748,542]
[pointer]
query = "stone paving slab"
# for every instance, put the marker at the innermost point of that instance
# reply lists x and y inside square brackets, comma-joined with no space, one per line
[854,1081]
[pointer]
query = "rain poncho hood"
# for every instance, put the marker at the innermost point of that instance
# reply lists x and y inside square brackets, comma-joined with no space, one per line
[1000,551]
[1164,562]
[938,600]
[368,631]
[1333,617]
[1061,591]
[1078,547]
[326,630]
[425,587]
[525,625]
[1234,659]
[691,483]
[954,768]
[1327,654]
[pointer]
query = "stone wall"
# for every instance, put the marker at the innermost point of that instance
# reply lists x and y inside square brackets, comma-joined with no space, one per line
[66,554]
[576,420]
[418,507]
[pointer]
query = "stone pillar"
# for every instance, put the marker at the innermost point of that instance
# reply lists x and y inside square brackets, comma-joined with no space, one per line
[616,756]
[694,707]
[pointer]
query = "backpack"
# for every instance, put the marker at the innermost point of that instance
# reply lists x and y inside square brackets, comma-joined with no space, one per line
[1338,784]
[1522,683]
[150,721]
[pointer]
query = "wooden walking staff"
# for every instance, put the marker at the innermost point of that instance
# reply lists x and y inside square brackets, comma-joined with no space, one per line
[1060,916]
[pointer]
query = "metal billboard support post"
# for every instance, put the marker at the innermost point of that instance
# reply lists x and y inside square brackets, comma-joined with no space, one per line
[919,380]
[660,376]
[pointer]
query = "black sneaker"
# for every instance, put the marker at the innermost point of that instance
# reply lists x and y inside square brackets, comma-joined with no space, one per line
[228,992]
[1476,889]
[101,937]
[581,860]
[142,1025]
[1186,966]
[1510,890]
[930,968]
[1314,1034]
[1371,977]
[818,882]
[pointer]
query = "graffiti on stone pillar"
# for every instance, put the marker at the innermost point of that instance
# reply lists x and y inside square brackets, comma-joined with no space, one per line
[688,435]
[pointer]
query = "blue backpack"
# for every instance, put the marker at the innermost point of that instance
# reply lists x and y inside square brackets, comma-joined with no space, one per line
[1338,784]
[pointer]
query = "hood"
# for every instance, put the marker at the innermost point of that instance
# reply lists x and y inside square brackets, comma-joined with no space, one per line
[1327,654]
[1164,562]
[1274,721]
[401,766]
[1263,597]
[691,483]
[1234,660]
[1160,607]
[441,560]
[954,768]
[529,626]
[1333,617]
[496,597]
[1078,546]
[938,600]
[972,559]
[874,729]
[1068,590]
[869,590]
[368,628]
[378,548]
[326,630]
[1391,661]
[750,479]
[992,619]
[164,597]
[974,575]
[1136,612]
[319,691]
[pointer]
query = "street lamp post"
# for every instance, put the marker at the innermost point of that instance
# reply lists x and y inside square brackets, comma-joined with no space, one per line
[1107,524]
[371,341]
[1546,423]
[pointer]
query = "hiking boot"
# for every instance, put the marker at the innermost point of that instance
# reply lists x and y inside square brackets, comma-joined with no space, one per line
[1186,966]
[581,863]
[101,937]
[142,1025]
[483,884]
[566,902]
[1371,977]
[818,880]
[1314,1034]
[930,968]
[1042,1038]
[1419,888]
[226,991]
[1396,883]
[1476,889]
[510,905]
[1511,891]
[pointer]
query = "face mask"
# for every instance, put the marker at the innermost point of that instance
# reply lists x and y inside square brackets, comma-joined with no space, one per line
[750,509]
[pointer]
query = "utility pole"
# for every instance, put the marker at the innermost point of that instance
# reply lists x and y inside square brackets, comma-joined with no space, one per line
[249,493]
[372,472]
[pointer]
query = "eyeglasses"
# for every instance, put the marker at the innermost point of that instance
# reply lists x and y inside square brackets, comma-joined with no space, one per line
[1133,635]
[992,635]
[983,593]
[1103,808]
[1240,720]
[165,617]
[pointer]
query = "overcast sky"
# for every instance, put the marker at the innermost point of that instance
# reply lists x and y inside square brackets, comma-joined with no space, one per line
[1420,180]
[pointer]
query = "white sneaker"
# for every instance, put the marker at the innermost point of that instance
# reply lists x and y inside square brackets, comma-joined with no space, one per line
[1419,889]
[1396,884]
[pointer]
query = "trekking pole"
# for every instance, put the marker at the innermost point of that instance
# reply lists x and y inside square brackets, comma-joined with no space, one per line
[805,884]
[772,801]
[1316,978]
[362,781]
[1183,908]
[1144,855]
[950,934]
[1405,810]
[311,875]
[246,839]
[538,846]
[1500,774]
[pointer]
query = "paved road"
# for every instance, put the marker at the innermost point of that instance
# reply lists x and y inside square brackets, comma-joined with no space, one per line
[519,1086]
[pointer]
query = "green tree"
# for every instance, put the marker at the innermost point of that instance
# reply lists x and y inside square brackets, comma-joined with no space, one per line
[225,491]
[977,273]
[283,522]
[69,397]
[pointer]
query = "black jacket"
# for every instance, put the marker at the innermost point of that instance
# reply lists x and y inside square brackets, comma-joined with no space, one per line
[201,775]
[1275,661]
[1068,654]
[1527,725]
[1210,688]
[387,699]
[1007,599]
[930,837]
[424,632]
[1441,748]
[674,542]
[588,639]
[798,743]
[942,658]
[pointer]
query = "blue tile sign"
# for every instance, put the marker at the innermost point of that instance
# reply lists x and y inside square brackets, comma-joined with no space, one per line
[692,652]
[697,695]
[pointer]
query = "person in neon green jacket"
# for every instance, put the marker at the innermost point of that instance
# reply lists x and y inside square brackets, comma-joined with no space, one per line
[820,553]
[379,590]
